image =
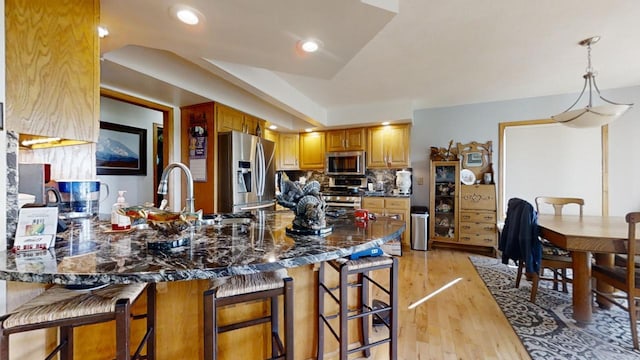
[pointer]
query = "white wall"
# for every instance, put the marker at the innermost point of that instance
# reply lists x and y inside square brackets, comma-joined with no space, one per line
[552,160]
[479,122]
[140,189]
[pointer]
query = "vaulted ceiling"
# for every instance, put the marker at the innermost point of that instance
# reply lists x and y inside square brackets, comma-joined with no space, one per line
[379,59]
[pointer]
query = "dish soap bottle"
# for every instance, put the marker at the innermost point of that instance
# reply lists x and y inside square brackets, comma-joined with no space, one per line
[120,221]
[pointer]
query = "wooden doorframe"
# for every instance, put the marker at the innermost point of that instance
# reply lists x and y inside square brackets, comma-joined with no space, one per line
[604,161]
[167,123]
[156,175]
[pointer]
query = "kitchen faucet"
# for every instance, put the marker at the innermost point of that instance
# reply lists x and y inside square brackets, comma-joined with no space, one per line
[162,187]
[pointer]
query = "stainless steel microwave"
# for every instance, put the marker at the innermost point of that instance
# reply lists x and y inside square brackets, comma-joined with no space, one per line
[345,163]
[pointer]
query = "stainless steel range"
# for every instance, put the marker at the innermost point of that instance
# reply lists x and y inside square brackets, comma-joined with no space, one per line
[345,192]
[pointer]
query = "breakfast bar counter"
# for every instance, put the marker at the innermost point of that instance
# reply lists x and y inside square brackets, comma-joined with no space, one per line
[87,253]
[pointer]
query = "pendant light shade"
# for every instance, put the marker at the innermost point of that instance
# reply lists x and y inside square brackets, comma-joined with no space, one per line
[591,116]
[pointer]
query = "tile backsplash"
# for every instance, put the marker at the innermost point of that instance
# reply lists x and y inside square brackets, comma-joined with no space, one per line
[386,176]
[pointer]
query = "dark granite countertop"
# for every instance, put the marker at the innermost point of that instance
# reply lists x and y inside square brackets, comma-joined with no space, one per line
[86,254]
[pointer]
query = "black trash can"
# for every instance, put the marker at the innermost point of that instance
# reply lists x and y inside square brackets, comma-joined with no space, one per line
[419,227]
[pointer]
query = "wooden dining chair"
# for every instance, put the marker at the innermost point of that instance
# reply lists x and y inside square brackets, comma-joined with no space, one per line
[625,278]
[553,258]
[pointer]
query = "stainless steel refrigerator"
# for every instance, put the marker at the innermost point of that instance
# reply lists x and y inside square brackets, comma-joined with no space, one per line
[246,170]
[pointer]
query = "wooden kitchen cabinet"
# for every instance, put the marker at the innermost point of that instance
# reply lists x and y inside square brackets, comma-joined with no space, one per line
[398,207]
[312,150]
[289,151]
[251,124]
[388,146]
[478,216]
[228,119]
[346,140]
[52,68]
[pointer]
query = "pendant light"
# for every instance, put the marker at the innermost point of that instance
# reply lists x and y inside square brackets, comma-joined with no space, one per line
[591,116]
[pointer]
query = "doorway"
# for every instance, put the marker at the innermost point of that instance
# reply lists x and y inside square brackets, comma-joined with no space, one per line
[163,143]
[542,157]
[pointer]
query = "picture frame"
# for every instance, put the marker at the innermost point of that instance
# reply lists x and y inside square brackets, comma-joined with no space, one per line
[473,159]
[121,150]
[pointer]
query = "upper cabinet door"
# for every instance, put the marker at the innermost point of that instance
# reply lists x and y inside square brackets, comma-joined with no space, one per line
[346,140]
[376,150]
[388,146]
[397,143]
[52,68]
[288,151]
[312,152]
[355,139]
[228,119]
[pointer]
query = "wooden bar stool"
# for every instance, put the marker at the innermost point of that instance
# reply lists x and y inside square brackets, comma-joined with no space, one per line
[67,309]
[244,288]
[365,308]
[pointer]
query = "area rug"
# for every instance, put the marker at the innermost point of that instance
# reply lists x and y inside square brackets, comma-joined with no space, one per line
[546,328]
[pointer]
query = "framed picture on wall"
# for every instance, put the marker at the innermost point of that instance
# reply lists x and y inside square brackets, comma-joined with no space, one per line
[121,150]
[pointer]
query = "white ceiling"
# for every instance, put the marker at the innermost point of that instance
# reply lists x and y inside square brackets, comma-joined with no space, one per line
[380,60]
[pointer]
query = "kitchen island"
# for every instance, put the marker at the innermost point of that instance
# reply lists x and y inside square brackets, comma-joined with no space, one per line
[88,254]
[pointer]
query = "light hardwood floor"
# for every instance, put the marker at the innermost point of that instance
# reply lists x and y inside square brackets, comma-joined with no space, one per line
[462,322]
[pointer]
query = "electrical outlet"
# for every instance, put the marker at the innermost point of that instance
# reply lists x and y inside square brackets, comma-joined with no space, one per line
[420,180]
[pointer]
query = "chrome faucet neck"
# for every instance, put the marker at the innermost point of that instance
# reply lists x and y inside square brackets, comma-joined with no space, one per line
[164,180]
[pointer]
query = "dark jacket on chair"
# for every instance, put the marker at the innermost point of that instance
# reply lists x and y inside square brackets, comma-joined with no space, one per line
[519,238]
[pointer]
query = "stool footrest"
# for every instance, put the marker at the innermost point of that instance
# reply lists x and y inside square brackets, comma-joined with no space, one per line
[370,345]
[242,324]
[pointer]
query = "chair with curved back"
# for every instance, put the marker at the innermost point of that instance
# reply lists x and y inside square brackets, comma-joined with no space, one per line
[553,258]
[625,278]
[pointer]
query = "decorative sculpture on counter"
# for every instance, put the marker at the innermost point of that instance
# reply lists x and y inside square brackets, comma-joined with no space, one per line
[307,203]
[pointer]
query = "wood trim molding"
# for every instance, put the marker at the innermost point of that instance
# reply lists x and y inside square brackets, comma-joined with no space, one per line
[167,121]
[604,162]
[167,117]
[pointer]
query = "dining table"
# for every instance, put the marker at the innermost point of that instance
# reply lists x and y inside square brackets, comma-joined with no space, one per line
[585,236]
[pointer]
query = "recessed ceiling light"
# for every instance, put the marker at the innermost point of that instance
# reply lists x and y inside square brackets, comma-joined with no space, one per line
[102,31]
[272,127]
[385,123]
[310,46]
[186,14]
[308,130]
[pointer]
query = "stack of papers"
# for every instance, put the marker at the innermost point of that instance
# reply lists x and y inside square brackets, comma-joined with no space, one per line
[37,228]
